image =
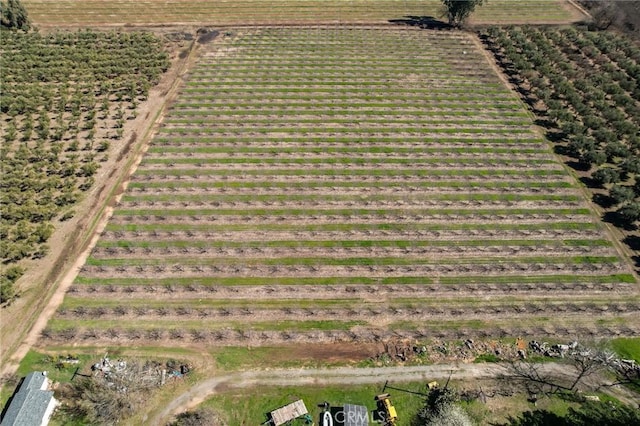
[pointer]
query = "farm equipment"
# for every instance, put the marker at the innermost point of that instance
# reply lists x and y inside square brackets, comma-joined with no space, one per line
[386,410]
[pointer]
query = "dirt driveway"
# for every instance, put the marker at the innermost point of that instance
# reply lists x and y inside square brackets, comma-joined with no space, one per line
[348,375]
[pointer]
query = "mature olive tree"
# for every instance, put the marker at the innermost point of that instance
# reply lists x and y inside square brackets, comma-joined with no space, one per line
[14,15]
[457,11]
[630,213]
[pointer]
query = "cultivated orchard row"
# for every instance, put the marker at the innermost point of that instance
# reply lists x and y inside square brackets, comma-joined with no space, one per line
[301,218]
[97,12]
[587,85]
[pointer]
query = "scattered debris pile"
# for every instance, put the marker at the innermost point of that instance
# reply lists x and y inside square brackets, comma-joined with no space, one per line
[152,373]
[624,367]
[61,362]
[553,351]
[445,351]
[115,389]
[402,350]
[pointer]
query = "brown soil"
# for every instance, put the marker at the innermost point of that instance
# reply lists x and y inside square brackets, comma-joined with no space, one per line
[443,235]
[373,315]
[525,218]
[365,292]
[571,327]
[236,269]
[327,353]
[407,253]
[340,190]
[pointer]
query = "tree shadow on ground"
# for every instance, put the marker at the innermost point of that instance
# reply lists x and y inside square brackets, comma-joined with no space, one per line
[534,418]
[617,220]
[206,36]
[579,165]
[425,22]
[590,182]
[633,241]
[603,200]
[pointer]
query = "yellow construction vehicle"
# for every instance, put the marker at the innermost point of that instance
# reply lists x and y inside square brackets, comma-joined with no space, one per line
[386,409]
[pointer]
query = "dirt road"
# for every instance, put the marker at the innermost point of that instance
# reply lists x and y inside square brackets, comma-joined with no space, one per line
[329,376]
[361,376]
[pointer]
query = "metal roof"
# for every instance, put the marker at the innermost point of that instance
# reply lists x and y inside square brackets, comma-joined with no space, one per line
[355,415]
[34,380]
[29,404]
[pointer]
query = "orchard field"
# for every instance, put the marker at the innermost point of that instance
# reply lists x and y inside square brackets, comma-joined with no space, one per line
[273,12]
[347,184]
[585,86]
[66,101]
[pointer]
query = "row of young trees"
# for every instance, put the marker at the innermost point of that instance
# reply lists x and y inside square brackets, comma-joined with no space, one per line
[587,88]
[66,97]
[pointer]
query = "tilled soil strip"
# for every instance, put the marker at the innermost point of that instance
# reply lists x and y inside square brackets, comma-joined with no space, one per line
[249,237]
[457,270]
[550,290]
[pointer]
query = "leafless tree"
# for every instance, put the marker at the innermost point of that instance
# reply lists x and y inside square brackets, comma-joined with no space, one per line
[154,334]
[68,333]
[112,333]
[177,333]
[540,380]
[197,335]
[99,311]
[107,400]
[90,333]
[183,310]
[80,311]
[140,310]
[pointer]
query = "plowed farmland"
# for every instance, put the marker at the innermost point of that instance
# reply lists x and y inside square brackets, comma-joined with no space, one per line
[242,12]
[335,184]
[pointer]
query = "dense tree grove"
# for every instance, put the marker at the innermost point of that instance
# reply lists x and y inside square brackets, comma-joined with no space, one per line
[7,278]
[587,85]
[14,16]
[65,96]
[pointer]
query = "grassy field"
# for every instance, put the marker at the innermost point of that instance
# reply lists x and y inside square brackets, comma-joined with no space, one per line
[201,12]
[244,406]
[347,184]
[627,348]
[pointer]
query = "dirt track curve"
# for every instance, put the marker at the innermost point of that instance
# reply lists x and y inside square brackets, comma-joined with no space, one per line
[345,375]
[322,376]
